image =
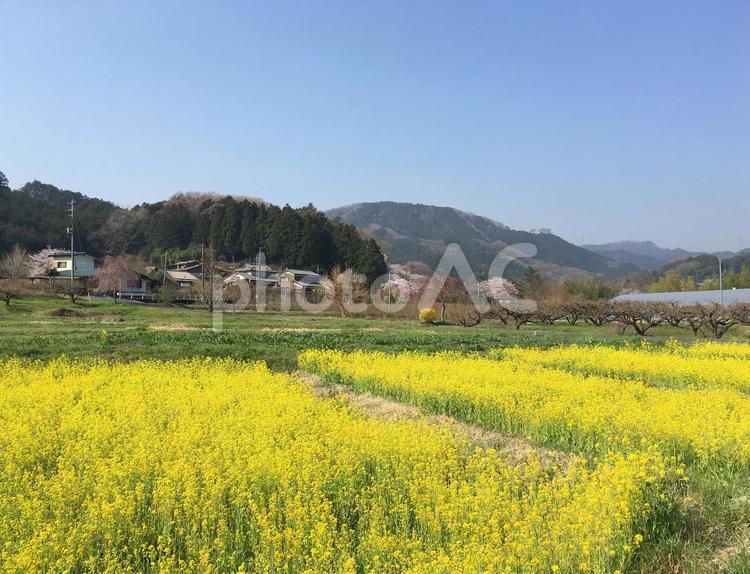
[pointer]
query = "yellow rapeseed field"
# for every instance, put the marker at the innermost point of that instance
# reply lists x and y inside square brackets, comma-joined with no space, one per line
[223,466]
[589,414]
[698,366]
[711,349]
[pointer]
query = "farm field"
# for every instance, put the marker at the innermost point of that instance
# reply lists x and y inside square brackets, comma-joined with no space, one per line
[136,439]
[709,365]
[223,466]
[46,328]
[703,433]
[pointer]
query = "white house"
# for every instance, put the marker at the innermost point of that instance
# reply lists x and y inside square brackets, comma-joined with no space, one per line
[62,262]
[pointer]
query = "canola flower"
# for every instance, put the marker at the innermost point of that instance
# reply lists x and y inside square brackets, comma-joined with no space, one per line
[676,366]
[591,414]
[730,349]
[223,466]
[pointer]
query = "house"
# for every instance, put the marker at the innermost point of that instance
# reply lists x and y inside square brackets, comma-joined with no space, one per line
[252,279]
[126,284]
[191,266]
[182,278]
[262,271]
[300,280]
[135,285]
[62,263]
[254,275]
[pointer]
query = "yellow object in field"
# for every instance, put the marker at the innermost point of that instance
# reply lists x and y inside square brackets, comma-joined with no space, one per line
[428,315]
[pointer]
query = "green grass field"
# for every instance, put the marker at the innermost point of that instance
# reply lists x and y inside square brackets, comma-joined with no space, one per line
[41,328]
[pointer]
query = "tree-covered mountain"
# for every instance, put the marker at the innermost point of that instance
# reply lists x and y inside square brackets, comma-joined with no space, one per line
[705,267]
[414,232]
[35,216]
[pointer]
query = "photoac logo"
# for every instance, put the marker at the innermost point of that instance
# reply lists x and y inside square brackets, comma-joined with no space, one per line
[349,291]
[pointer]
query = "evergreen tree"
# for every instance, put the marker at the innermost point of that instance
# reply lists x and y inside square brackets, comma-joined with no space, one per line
[249,229]
[316,244]
[170,227]
[231,227]
[532,284]
[371,262]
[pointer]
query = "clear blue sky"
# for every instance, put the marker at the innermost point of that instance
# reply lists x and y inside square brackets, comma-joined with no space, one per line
[604,120]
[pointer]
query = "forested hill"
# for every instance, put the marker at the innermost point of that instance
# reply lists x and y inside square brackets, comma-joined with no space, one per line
[702,267]
[414,232]
[35,216]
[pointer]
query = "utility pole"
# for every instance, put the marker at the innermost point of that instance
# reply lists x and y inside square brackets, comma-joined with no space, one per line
[721,285]
[72,253]
[203,274]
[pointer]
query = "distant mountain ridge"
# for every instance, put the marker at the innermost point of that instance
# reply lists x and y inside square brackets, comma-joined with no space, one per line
[646,254]
[409,232]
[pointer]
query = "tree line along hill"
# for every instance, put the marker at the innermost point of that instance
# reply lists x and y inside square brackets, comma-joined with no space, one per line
[35,216]
[696,272]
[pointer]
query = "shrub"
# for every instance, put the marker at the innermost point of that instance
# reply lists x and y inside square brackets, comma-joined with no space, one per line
[428,315]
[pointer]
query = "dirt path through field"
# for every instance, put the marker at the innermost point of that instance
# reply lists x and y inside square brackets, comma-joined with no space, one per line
[514,450]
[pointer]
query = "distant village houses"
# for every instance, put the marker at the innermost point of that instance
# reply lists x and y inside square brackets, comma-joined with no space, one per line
[288,280]
[122,277]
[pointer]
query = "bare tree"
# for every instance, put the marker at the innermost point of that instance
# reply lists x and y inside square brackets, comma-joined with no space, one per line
[73,292]
[14,264]
[674,313]
[471,319]
[12,289]
[501,314]
[694,320]
[741,312]
[718,319]
[520,312]
[639,315]
[572,310]
[597,312]
[346,288]
[548,313]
